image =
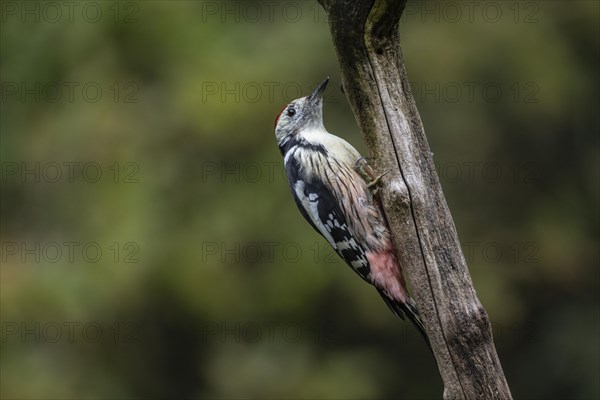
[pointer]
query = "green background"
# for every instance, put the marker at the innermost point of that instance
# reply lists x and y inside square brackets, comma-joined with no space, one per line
[144,130]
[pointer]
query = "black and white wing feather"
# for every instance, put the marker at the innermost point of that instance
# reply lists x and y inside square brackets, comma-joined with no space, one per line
[319,207]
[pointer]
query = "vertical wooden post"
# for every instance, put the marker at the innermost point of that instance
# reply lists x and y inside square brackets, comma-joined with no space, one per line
[366,38]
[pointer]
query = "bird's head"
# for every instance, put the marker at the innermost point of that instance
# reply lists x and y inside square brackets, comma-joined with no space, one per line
[301,114]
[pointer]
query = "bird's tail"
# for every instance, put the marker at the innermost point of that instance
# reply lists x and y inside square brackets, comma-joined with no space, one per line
[407,310]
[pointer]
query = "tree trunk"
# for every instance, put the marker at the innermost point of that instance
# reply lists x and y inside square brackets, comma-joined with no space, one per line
[366,38]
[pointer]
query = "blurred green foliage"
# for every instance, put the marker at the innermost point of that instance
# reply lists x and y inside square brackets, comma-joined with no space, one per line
[209,284]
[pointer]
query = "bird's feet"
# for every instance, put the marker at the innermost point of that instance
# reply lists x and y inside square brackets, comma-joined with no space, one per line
[362,167]
[375,184]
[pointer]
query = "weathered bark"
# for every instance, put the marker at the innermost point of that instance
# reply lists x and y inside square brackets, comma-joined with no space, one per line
[366,38]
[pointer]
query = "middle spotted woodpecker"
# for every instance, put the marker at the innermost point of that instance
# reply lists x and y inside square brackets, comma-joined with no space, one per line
[332,186]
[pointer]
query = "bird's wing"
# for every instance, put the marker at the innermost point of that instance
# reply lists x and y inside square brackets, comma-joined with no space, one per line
[319,207]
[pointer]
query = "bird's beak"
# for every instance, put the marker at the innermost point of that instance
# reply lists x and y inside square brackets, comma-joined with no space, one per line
[318,93]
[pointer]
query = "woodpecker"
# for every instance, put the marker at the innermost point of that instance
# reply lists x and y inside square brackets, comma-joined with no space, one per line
[333,186]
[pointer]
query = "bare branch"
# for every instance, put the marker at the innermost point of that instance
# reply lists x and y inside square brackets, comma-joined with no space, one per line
[366,37]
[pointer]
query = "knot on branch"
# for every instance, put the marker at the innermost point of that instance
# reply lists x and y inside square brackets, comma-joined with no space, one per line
[398,196]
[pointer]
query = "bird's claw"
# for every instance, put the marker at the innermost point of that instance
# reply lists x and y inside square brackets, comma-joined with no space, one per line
[362,167]
[375,184]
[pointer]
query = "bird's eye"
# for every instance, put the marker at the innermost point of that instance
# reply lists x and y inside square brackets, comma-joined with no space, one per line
[291,112]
